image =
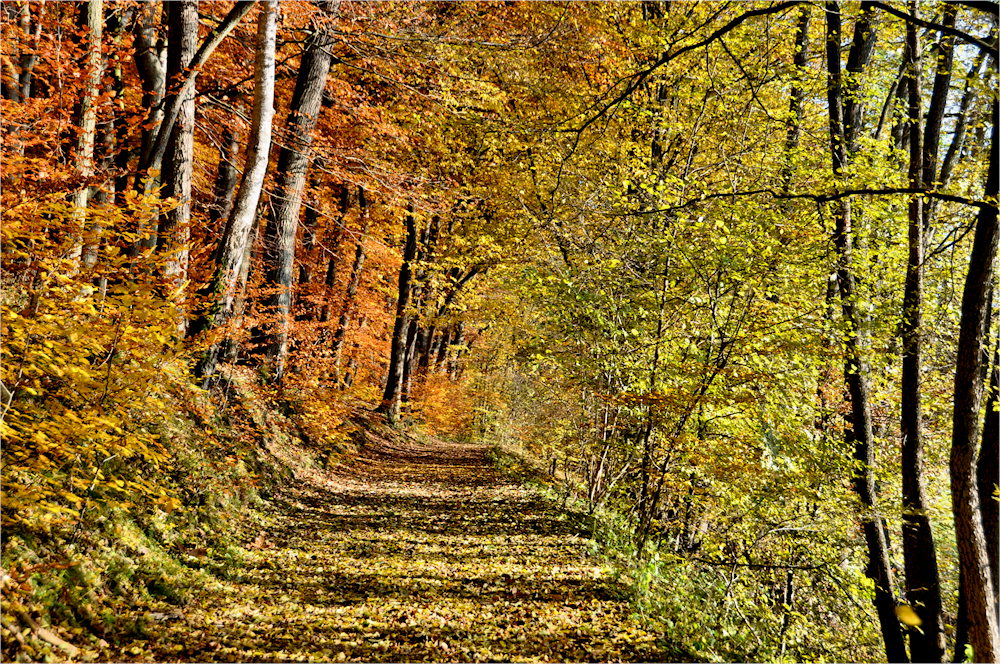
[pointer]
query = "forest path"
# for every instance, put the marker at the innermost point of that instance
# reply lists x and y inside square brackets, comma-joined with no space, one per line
[420,552]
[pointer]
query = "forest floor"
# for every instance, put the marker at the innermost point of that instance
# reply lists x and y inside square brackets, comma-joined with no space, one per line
[418,551]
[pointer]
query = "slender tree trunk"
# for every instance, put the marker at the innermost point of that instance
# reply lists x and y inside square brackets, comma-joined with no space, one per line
[923,586]
[981,603]
[442,349]
[330,277]
[962,120]
[795,106]
[223,287]
[149,62]
[29,55]
[92,21]
[939,102]
[845,112]
[175,228]
[353,283]
[392,395]
[458,339]
[412,335]
[106,152]
[224,191]
[293,161]
[310,221]
[9,86]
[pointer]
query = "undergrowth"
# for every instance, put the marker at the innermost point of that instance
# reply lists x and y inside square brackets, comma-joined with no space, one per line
[703,611]
[113,567]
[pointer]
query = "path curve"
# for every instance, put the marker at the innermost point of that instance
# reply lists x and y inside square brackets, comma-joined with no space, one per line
[421,552]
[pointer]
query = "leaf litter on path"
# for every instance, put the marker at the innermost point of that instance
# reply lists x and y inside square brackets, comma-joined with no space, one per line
[418,552]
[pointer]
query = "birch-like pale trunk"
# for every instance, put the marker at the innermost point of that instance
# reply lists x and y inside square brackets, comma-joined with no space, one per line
[174,232]
[92,20]
[293,162]
[222,289]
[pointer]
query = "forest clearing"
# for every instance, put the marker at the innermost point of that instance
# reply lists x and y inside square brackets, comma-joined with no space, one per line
[340,330]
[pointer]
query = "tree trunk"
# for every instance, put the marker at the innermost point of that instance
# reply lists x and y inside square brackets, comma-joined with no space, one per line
[923,586]
[152,75]
[337,346]
[987,470]
[800,61]
[939,101]
[845,112]
[442,349]
[961,121]
[222,288]
[29,55]
[175,228]
[981,603]
[107,152]
[224,191]
[392,395]
[152,159]
[293,161]
[310,220]
[412,334]
[330,278]
[92,21]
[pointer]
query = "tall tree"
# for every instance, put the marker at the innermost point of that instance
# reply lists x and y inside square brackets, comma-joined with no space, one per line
[174,231]
[977,585]
[353,282]
[392,395]
[844,108]
[91,21]
[923,585]
[293,161]
[223,287]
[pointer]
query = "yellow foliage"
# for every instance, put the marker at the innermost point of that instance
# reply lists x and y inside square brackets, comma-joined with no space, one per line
[445,406]
[83,373]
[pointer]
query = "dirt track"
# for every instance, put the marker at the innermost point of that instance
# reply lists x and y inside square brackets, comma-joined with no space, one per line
[420,552]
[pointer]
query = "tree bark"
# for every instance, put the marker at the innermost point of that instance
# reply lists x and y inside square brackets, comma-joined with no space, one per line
[92,20]
[337,346]
[107,152]
[923,585]
[174,233]
[977,585]
[226,178]
[987,470]
[149,51]
[29,55]
[800,61]
[392,395]
[222,289]
[961,121]
[845,113]
[152,158]
[939,101]
[293,161]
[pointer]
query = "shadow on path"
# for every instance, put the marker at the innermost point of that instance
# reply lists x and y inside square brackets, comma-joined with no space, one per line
[420,552]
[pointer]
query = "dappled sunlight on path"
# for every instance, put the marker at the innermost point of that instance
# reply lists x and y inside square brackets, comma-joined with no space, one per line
[417,553]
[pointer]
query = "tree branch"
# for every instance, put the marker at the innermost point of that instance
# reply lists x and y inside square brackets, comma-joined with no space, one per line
[964,36]
[173,107]
[640,77]
[826,198]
